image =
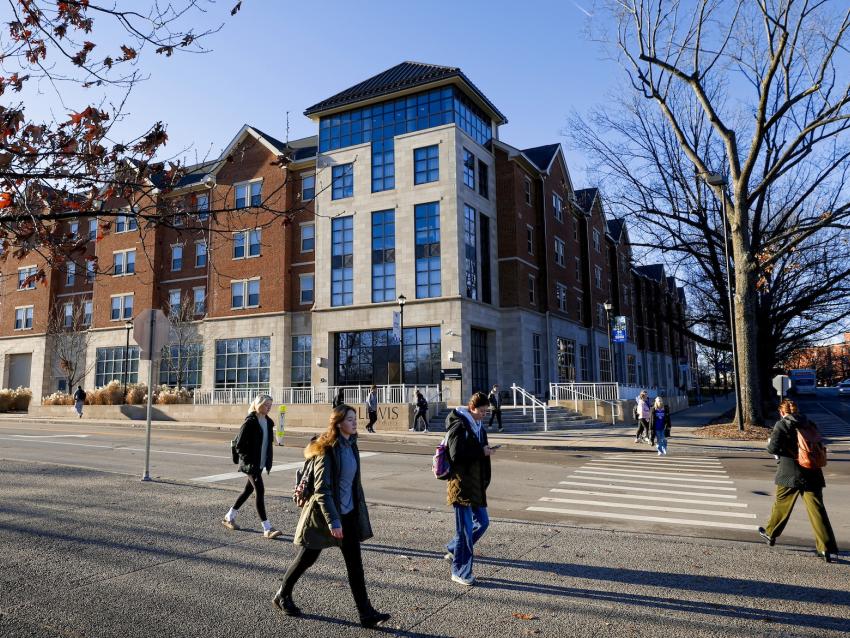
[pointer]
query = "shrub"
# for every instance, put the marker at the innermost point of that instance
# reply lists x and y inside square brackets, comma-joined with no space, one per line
[137,393]
[7,399]
[166,395]
[21,398]
[110,394]
[58,398]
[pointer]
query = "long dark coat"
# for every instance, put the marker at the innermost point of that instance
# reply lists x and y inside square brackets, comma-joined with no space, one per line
[783,443]
[249,445]
[470,467]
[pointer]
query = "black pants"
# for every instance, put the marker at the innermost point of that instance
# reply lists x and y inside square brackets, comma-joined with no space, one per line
[420,415]
[353,564]
[254,484]
[373,417]
[643,427]
[497,414]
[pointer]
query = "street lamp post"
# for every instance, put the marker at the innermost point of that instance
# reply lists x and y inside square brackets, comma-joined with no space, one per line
[128,326]
[401,301]
[608,307]
[715,179]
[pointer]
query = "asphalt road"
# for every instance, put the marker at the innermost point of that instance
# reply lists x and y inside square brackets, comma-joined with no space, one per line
[93,554]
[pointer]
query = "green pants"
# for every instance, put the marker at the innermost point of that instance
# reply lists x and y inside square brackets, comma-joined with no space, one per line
[784,504]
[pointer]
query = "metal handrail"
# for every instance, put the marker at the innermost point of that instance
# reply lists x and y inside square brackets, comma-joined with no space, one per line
[353,395]
[535,405]
[588,392]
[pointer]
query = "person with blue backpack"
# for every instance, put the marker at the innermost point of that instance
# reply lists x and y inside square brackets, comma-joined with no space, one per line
[469,455]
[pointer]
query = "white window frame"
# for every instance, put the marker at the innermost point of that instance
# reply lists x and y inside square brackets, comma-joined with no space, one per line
[532,290]
[597,243]
[527,188]
[246,243]
[201,242]
[600,316]
[597,276]
[24,317]
[578,268]
[561,296]
[129,222]
[68,315]
[173,248]
[90,274]
[305,176]
[124,263]
[171,307]
[122,306]
[312,226]
[93,229]
[74,228]
[88,311]
[529,238]
[301,279]
[28,271]
[560,252]
[203,301]
[202,213]
[249,196]
[70,273]
[558,207]
[245,283]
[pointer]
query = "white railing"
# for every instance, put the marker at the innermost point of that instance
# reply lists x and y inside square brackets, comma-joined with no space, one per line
[597,392]
[535,403]
[353,395]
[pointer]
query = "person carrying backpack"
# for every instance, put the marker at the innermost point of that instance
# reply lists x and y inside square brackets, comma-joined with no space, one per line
[254,446]
[641,416]
[79,400]
[335,515]
[495,407]
[372,408]
[793,480]
[469,456]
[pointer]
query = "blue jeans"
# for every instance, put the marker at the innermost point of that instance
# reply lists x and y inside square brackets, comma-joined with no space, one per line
[470,525]
[661,440]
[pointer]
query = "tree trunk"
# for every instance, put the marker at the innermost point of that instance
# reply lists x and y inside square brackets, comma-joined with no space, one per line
[746,309]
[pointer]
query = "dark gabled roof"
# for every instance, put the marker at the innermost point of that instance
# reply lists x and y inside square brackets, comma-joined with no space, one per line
[585,198]
[280,146]
[304,148]
[541,156]
[402,76]
[195,173]
[615,228]
[680,291]
[653,271]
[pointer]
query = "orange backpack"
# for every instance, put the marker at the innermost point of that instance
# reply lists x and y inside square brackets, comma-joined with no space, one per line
[811,451]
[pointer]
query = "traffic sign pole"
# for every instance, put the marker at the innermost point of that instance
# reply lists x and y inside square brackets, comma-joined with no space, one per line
[151,338]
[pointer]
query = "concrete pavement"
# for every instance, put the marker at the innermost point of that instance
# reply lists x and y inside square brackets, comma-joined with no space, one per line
[92,554]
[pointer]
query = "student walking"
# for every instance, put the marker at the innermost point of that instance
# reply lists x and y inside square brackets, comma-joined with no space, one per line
[335,516]
[642,411]
[495,400]
[421,413]
[372,408]
[79,400]
[469,456]
[793,480]
[339,399]
[659,419]
[254,444]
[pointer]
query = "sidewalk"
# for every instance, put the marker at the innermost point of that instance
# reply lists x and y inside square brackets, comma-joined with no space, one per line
[605,436]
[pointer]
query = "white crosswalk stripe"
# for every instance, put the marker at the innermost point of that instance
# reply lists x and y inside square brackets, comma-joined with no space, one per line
[630,488]
[833,428]
[215,478]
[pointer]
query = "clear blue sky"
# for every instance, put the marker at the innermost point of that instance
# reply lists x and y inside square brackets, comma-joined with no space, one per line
[531,59]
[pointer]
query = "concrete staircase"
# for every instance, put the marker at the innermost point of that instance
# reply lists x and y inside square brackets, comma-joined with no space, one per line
[513,420]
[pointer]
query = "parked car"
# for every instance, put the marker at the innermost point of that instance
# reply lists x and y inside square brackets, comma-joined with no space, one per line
[844,388]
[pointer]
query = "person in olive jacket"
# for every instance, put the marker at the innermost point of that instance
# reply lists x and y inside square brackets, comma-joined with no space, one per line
[469,456]
[335,515]
[255,443]
[792,481]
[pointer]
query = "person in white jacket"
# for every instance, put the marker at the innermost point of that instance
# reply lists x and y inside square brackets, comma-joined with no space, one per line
[644,432]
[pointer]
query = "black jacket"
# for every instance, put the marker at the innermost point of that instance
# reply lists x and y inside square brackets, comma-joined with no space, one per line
[422,405]
[495,400]
[249,445]
[80,395]
[666,419]
[783,443]
[470,467]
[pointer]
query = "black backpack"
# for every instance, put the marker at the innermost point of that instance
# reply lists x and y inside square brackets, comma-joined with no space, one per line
[234,453]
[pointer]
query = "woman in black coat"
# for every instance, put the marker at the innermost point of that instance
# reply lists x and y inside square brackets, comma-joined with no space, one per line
[255,443]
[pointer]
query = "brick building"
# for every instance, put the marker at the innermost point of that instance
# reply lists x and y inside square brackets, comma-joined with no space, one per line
[406,191]
[831,362]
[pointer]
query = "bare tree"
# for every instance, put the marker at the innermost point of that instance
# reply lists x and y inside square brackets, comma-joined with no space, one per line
[751,89]
[184,341]
[68,339]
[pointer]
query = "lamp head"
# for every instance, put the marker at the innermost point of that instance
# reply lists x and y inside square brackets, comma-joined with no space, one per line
[608,306]
[714,179]
[401,300]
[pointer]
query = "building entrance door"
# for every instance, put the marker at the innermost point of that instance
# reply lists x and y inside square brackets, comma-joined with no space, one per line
[480,364]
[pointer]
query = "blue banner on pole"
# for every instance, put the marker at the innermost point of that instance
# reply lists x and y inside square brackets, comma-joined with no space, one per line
[618,336]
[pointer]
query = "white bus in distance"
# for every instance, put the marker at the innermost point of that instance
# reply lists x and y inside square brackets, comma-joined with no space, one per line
[803,381]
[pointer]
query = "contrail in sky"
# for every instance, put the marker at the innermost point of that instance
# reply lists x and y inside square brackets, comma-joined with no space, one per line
[583,10]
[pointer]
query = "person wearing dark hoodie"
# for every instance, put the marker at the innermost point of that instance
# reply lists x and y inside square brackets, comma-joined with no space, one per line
[793,480]
[335,515]
[469,456]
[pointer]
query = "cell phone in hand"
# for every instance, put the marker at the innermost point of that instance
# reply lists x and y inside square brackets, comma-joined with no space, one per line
[494,447]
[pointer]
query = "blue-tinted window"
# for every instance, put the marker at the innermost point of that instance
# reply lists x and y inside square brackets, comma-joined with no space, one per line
[342,261]
[243,363]
[371,356]
[469,169]
[109,365]
[383,165]
[426,164]
[383,256]
[470,251]
[427,228]
[343,181]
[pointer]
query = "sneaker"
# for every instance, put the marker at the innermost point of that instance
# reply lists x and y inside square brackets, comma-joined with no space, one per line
[500,429]
[410,430]
[449,557]
[763,533]
[230,524]
[272,533]
[637,440]
[373,618]
[665,451]
[824,556]
[425,431]
[660,453]
[467,582]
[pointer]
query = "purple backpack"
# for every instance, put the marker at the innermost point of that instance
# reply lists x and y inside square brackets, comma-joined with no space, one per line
[440,464]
